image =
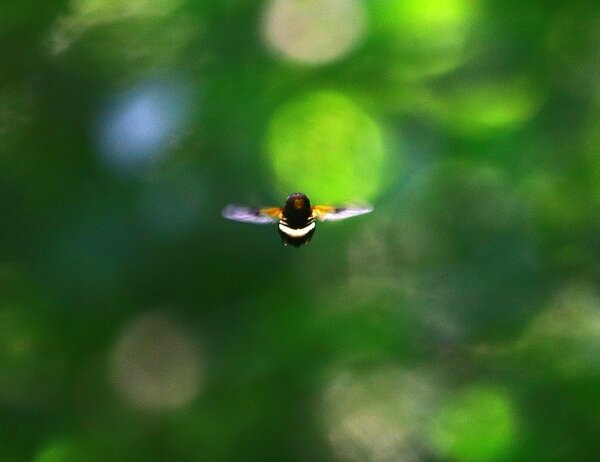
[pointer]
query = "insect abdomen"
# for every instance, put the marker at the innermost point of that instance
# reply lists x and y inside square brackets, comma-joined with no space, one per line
[296,236]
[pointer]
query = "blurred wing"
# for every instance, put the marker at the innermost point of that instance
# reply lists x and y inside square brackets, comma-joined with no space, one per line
[252,215]
[327,213]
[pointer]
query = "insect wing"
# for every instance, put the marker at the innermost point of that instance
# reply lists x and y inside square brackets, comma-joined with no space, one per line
[328,213]
[251,214]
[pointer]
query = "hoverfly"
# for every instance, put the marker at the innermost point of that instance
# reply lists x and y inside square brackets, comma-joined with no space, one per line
[296,219]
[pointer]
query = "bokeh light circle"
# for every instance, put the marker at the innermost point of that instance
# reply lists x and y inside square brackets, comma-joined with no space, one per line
[378,415]
[139,127]
[156,365]
[477,425]
[565,338]
[313,31]
[66,451]
[327,146]
[109,10]
[131,36]
[486,107]
[426,37]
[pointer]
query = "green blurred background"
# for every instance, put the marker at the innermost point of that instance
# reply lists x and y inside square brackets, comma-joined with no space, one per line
[458,322]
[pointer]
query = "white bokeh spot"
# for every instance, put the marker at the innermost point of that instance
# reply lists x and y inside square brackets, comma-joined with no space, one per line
[314,32]
[156,365]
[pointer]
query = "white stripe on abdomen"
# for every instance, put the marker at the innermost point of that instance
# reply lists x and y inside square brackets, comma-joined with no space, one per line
[291,232]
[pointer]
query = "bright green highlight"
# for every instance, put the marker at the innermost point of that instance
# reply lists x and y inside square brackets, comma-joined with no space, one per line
[430,36]
[417,16]
[488,107]
[328,147]
[64,451]
[476,426]
[108,10]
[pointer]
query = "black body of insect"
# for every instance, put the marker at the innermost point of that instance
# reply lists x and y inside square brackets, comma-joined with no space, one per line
[296,219]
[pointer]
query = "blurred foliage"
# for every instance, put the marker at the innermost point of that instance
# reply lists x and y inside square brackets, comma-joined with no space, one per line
[458,322]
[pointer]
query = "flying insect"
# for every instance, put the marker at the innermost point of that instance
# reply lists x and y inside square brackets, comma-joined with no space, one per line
[296,219]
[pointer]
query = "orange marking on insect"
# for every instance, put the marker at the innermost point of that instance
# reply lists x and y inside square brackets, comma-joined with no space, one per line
[273,212]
